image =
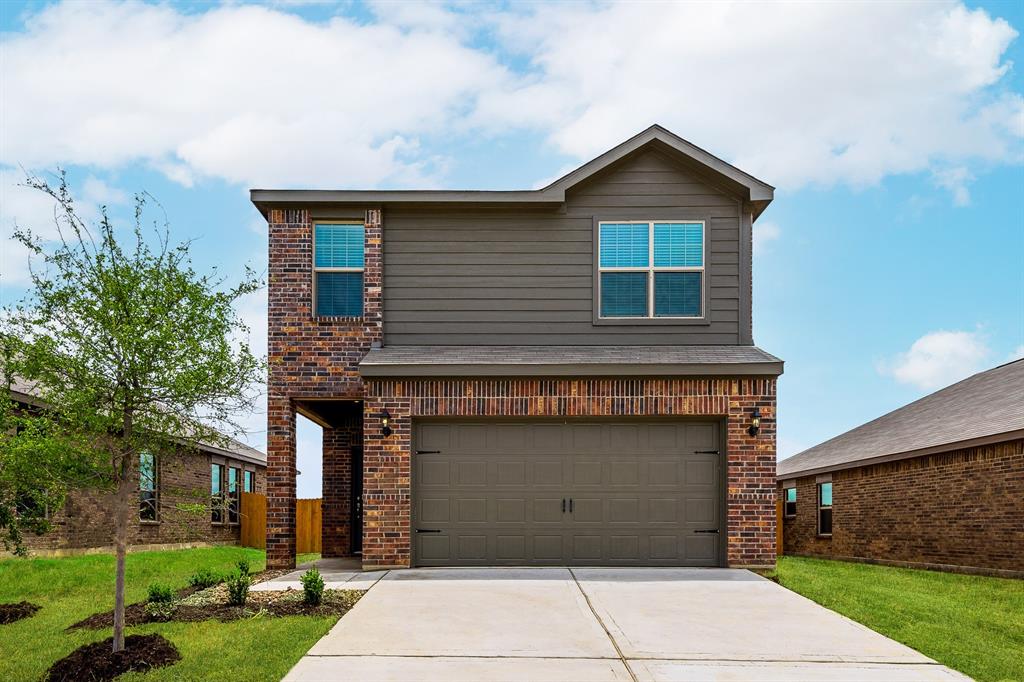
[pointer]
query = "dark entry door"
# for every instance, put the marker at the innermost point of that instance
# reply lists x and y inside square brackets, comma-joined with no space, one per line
[614,493]
[356,513]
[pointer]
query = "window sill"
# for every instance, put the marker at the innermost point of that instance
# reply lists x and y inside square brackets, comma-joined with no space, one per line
[825,536]
[789,517]
[652,321]
[147,522]
[343,319]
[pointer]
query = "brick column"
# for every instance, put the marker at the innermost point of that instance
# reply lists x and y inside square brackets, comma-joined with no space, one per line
[280,482]
[386,483]
[751,475]
[336,538]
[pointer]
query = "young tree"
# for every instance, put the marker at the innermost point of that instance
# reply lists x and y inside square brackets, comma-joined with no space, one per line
[129,347]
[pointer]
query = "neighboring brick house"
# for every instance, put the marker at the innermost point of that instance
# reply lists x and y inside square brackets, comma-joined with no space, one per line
[168,481]
[544,377]
[938,483]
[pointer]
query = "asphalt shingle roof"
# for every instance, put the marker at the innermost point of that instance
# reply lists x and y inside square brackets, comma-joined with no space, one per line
[987,404]
[588,359]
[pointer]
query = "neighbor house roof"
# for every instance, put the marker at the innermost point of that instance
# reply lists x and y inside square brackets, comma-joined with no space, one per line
[25,392]
[758,193]
[569,361]
[987,407]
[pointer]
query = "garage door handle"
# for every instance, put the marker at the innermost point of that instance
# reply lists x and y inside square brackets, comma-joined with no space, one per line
[428,530]
[563,505]
[710,530]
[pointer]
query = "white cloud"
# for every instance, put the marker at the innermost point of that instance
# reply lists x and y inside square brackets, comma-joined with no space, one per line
[765,231]
[938,359]
[799,94]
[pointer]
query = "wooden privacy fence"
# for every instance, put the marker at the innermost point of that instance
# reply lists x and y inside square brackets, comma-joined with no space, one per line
[253,517]
[253,513]
[307,526]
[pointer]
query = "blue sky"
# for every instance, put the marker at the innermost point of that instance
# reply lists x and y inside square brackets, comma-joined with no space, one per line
[890,264]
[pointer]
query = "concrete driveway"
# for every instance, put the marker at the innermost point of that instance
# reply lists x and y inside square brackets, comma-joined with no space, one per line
[599,625]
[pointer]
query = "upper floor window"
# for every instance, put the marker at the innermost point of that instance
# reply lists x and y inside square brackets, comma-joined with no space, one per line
[338,262]
[651,269]
[824,509]
[147,487]
[789,500]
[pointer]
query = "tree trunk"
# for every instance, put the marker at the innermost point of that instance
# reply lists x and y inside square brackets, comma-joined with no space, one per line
[122,517]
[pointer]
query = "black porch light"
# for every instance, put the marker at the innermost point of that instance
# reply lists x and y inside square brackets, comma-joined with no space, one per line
[755,422]
[385,423]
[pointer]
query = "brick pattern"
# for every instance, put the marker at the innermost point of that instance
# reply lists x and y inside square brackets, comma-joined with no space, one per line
[308,356]
[750,459]
[961,509]
[336,527]
[182,478]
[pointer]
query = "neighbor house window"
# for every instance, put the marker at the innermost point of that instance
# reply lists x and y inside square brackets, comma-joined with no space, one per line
[217,493]
[338,261]
[824,509]
[249,481]
[147,487]
[789,500]
[651,269]
[233,494]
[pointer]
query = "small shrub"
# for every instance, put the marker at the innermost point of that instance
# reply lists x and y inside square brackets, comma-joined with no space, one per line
[160,611]
[243,566]
[313,587]
[160,593]
[238,589]
[204,578]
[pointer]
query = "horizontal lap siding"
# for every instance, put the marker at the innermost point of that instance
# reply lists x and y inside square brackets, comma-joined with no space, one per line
[520,275]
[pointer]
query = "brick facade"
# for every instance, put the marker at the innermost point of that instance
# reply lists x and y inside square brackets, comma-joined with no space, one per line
[750,496]
[957,510]
[336,526]
[182,478]
[309,356]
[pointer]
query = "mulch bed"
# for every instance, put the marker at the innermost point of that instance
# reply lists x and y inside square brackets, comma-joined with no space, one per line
[134,614]
[13,612]
[211,604]
[97,661]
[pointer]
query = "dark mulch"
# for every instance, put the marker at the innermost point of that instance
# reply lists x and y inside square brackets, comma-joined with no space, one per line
[12,612]
[96,661]
[223,612]
[134,614]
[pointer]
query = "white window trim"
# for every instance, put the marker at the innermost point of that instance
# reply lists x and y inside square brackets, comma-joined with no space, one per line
[316,270]
[651,269]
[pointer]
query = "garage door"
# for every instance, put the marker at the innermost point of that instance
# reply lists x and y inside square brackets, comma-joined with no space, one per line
[615,493]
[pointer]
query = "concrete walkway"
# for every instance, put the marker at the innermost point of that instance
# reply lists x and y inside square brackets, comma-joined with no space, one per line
[658,625]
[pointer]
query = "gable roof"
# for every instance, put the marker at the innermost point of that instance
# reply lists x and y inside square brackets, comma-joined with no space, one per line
[986,407]
[26,393]
[759,194]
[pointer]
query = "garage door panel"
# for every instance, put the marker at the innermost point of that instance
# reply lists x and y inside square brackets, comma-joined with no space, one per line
[495,493]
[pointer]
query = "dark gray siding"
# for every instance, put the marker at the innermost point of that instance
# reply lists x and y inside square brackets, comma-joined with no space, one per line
[523,276]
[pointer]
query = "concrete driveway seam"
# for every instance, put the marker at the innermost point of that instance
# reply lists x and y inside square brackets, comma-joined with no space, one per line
[603,627]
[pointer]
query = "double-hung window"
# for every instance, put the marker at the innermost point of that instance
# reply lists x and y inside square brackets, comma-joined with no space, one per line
[824,509]
[234,494]
[651,269]
[217,493]
[147,487]
[338,262]
[789,500]
[248,481]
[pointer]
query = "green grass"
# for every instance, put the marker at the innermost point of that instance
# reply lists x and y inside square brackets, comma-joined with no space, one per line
[970,623]
[69,589]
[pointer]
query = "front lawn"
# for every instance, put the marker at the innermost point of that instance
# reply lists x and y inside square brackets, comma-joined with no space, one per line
[970,623]
[72,588]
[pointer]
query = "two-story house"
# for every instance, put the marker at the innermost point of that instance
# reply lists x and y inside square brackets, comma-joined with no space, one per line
[556,376]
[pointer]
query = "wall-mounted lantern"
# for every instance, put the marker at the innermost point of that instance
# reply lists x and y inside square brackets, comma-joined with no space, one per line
[755,422]
[385,423]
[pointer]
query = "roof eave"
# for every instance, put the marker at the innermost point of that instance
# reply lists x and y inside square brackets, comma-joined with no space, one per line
[398,369]
[909,454]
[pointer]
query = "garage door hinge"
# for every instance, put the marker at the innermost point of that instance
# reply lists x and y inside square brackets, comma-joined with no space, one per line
[706,452]
[428,452]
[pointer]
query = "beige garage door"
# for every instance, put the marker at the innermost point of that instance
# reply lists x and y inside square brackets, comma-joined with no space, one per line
[616,493]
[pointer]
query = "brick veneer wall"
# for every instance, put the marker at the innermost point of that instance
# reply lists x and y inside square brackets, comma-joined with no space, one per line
[84,522]
[309,357]
[750,496]
[958,510]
